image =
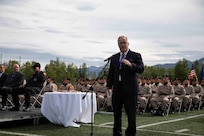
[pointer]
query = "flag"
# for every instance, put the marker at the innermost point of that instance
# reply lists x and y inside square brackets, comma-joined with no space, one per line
[202,72]
[192,73]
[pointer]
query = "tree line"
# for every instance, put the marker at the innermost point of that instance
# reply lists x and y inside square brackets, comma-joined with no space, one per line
[58,70]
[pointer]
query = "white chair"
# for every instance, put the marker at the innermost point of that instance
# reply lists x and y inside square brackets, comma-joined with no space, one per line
[169,106]
[200,102]
[180,103]
[35,97]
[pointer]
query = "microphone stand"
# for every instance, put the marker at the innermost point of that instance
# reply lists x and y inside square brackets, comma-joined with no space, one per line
[91,89]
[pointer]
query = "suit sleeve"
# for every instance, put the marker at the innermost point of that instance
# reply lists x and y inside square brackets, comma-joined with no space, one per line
[137,65]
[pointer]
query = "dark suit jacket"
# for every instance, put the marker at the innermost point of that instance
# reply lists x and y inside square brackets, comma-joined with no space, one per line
[128,74]
[14,80]
[37,80]
[3,79]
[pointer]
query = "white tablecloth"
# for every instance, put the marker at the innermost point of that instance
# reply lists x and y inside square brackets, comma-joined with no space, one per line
[66,108]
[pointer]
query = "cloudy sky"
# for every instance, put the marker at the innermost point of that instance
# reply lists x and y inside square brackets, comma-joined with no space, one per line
[86,31]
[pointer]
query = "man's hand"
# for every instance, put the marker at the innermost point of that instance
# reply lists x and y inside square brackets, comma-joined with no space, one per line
[127,62]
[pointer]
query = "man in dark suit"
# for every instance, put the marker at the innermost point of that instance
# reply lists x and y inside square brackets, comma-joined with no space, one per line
[122,79]
[13,81]
[3,77]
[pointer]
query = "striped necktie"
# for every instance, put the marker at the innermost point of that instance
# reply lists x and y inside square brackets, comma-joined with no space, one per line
[122,57]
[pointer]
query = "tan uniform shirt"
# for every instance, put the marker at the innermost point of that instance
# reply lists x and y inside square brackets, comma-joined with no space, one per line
[101,88]
[166,90]
[198,89]
[155,87]
[179,90]
[189,90]
[144,90]
[85,88]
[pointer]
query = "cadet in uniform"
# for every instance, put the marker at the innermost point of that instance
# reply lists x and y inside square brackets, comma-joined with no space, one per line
[179,94]
[190,93]
[66,85]
[165,93]
[86,87]
[143,95]
[155,87]
[101,91]
[198,93]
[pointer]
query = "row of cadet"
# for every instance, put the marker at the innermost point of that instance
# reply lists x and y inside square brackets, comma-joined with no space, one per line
[161,96]
[17,92]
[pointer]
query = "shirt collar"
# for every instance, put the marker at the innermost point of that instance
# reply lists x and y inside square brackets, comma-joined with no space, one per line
[124,53]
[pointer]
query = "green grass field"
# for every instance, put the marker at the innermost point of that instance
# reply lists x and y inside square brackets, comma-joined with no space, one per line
[183,124]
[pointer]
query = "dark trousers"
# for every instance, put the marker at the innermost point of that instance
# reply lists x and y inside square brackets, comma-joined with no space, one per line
[28,92]
[15,93]
[4,92]
[119,99]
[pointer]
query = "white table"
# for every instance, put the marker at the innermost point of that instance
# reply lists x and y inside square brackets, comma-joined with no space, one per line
[66,108]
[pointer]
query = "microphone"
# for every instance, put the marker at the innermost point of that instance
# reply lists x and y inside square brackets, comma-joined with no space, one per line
[108,58]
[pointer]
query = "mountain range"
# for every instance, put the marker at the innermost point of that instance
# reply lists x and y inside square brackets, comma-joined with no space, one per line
[97,70]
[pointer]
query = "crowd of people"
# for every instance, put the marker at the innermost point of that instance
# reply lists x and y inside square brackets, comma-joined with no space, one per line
[160,95]
[155,94]
[16,85]
[16,90]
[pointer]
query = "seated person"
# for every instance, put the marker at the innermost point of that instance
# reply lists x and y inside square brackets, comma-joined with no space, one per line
[86,87]
[102,93]
[143,95]
[12,84]
[66,85]
[198,93]
[34,85]
[190,93]
[3,77]
[179,94]
[49,87]
[165,93]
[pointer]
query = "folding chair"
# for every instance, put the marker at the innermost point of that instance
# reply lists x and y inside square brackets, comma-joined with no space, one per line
[8,100]
[190,104]
[36,97]
[200,103]
[180,103]
[105,102]
[146,105]
[169,106]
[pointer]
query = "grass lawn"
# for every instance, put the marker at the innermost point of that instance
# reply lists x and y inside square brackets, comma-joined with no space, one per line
[183,124]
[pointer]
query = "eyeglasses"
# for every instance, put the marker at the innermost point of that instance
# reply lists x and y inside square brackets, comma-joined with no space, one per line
[123,43]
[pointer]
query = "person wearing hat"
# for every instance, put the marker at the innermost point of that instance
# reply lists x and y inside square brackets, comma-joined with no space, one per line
[34,85]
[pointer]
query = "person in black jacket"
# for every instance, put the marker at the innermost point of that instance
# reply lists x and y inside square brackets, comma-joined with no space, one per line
[122,79]
[34,85]
[3,77]
[12,83]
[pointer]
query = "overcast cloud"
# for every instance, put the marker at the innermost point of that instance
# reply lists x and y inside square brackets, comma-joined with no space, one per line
[86,31]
